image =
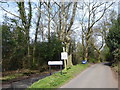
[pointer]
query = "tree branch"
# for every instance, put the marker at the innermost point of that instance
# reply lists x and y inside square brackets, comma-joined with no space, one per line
[101,15]
[73,16]
[10,12]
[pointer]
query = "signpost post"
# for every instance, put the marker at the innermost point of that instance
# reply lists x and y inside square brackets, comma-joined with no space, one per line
[55,63]
[64,56]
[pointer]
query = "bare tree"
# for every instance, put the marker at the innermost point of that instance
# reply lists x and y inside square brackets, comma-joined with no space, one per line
[66,29]
[93,9]
[102,30]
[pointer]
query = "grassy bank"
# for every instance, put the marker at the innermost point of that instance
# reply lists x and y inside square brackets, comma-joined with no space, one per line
[56,80]
[116,69]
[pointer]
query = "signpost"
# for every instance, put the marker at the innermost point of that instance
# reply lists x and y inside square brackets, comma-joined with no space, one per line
[55,63]
[64,56]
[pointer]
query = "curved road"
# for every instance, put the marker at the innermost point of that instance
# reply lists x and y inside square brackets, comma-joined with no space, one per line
[96,76]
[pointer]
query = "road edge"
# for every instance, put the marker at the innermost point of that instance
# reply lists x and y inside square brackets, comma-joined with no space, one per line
[75,75]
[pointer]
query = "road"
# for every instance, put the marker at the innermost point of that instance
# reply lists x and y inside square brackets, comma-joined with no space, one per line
[96,76]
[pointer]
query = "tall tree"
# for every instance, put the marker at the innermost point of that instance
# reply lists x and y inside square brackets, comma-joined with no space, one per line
[66,30]
[113,40]
[93,8]
[36,34]
[26,22]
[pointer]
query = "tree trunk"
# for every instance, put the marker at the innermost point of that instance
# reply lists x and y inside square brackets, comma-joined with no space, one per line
[68,45]
[36,34]
[87,44]
[26,22]
[83,46]
[49,22]
[86,51]
[69,61]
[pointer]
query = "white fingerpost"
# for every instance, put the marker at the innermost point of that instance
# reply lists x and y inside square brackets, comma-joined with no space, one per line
[64,55]
[51,63]
[55,63]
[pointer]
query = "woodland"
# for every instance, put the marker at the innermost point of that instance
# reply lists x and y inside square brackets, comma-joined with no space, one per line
[33,33]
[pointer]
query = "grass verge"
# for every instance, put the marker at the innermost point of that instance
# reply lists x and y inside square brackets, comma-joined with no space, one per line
[115,68]
[56,80]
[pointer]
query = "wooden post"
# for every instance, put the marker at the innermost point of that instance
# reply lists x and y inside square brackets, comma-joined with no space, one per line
[50,69]
[61,69]
[65,64]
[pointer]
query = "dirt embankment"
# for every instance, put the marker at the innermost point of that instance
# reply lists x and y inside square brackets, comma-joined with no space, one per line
[25,74]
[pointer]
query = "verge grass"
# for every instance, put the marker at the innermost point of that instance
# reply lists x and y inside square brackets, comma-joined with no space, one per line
[56,79]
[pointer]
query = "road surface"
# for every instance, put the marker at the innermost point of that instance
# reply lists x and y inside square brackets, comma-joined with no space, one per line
[96,76]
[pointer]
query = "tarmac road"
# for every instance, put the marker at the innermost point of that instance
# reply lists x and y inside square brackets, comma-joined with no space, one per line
[96,76]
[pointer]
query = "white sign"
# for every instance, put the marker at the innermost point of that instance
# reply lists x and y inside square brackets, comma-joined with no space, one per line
[55,63]
[64,55]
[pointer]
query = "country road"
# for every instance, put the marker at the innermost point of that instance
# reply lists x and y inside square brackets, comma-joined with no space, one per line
[96,76]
